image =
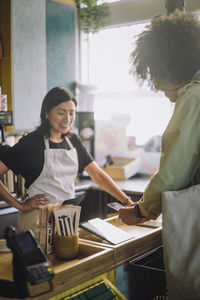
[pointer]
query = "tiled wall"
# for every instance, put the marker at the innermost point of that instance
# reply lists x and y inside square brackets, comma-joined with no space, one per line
[60,32]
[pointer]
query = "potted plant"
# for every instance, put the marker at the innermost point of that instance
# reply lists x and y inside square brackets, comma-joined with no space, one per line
[91,16]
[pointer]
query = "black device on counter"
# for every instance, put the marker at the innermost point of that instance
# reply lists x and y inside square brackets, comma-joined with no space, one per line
[74,201]
[86,129]
[30,264]
[31,257]
[115,206]
[6,118]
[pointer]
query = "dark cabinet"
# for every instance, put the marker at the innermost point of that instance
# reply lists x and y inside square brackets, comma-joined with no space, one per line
[8,216]
[95,204]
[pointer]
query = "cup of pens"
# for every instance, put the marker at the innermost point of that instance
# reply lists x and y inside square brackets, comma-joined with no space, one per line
[67,237]
[66,247]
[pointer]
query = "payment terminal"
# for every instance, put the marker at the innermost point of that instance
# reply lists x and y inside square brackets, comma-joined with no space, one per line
[30,264]
[31,256]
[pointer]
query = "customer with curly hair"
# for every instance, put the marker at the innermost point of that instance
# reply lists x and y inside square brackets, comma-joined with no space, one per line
[167,56]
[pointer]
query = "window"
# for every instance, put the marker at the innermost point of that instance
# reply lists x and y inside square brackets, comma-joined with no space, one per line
[118,98]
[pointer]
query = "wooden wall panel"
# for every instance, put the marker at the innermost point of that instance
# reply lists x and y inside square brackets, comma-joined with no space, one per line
[5,62]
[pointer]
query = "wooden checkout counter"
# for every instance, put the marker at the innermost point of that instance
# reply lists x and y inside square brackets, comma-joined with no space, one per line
[96,256]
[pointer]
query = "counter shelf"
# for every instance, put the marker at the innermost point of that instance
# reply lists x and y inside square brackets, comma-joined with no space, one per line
[146,236]
[96,256]
[92,261]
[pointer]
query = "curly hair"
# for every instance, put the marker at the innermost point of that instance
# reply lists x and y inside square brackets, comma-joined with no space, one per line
[168,50]
[53,98]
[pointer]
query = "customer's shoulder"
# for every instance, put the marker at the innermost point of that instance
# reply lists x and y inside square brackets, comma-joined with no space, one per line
[191,94]
[193,88]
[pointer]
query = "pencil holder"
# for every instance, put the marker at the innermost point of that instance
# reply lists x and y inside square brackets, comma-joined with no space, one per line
[66,247]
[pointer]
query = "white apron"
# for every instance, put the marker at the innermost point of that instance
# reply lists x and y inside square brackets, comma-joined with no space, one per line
[181,239]
[56,181]
[58,175]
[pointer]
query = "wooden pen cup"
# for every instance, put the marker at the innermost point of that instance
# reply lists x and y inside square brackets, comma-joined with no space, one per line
[66,247]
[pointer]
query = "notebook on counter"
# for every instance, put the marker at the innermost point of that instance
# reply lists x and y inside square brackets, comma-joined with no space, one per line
[106,231]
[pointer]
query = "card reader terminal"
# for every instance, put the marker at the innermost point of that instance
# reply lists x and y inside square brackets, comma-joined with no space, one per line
[30,256]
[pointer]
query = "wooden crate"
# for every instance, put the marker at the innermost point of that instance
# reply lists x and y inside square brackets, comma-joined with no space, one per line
[122,167]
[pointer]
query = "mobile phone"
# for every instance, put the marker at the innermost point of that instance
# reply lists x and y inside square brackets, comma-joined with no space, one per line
[115,205]
[30,256]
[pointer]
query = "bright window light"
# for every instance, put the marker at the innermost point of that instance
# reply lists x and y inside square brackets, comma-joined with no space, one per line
[105,64]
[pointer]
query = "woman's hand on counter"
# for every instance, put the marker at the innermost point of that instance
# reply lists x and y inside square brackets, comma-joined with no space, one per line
[130,203]
[33,202]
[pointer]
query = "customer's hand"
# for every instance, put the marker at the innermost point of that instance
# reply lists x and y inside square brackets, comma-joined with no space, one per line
[33,202]
[127,216]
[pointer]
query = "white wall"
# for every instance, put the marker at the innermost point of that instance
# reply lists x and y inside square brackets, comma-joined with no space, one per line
[28,61]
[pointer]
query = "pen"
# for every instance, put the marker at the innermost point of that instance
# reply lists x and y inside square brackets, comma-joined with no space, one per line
[63,217]
[69,222]
[74,222]
[61,226]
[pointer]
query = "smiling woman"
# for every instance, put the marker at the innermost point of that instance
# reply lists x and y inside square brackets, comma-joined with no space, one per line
[51,157]
[61,118]
[57,112]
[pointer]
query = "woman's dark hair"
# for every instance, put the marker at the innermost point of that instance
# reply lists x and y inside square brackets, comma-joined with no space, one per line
[168,50]
[53,98]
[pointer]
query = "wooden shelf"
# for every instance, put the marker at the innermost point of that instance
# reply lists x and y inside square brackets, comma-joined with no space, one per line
[96,256]
[92,261]
[145,237]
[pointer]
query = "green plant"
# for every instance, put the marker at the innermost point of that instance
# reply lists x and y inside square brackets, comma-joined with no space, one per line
[91,16]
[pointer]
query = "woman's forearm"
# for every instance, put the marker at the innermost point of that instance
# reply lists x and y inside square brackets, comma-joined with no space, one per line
[104,181]
[107,183]
[8,198]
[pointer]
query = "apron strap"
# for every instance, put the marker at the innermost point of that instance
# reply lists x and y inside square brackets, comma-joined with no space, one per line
[69,143]
[46,142]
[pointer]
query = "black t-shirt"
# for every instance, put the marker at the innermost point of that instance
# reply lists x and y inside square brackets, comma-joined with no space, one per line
[27,156]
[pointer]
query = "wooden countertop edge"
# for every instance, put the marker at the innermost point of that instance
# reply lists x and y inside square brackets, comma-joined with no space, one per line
[101,259]
[66,279]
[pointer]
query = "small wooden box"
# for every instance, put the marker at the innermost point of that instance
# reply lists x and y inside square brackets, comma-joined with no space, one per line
[122,167]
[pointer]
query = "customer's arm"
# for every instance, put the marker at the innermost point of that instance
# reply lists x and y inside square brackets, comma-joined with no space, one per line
[180,154]
[179,160]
